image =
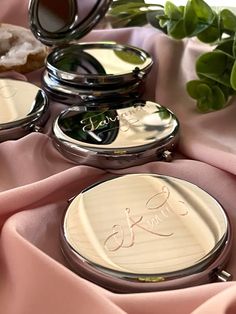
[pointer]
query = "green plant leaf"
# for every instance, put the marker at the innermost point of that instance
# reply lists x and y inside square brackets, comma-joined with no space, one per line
[203,105]
[209,96]
[127,14]
[154,18]
[215,65]
[182,8]
[226,46]
[233,76]
[212,63]
[190,19]
[130,7]
[192,88]
[227,91]
[127,20]
[176,29]
[129,57]
[211,33]
[234,47]
[204,100]
[139,19]
[203,91]
[203,11]
[228,20]
[121,2]
[163,21]
[172,11]
[218,100]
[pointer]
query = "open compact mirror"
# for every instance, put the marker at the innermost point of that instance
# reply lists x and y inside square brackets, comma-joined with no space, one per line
[144,232]
[24,108]
[79,72]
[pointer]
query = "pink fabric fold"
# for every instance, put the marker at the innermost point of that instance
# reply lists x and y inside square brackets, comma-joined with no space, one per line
[36,182]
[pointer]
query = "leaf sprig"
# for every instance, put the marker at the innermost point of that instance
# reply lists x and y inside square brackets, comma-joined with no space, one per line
[216,70]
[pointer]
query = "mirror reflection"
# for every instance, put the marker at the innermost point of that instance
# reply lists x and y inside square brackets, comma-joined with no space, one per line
[126,127]
[79,62]
[54,16]
[61,15]
[17,100]
[105,59]
[89,127]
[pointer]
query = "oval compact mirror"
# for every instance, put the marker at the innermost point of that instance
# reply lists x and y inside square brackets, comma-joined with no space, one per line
[116,138]
[143,232]
[24,108]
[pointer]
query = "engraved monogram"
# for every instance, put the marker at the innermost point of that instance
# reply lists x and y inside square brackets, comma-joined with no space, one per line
[99,120]
[158,203]
[7,91]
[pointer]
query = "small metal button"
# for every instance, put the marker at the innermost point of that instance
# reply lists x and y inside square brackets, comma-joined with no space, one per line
[167,156]
[223,276]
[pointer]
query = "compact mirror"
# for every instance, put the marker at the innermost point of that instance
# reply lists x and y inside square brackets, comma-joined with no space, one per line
[116,138]
[24,108]
[95,71]
[74,70]
[146,232]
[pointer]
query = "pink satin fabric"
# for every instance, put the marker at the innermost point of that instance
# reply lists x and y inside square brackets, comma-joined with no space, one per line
[36,181]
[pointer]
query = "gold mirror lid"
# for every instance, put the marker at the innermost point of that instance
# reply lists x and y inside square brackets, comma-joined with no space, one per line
[145,228]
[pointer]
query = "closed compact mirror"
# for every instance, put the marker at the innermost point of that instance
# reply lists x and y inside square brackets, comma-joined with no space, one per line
[118,138]
[24,107]
[146,232]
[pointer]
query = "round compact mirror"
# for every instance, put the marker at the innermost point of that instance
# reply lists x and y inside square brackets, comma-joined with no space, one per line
[76,71]
[118,138]
[146,232]
[24,108]
[95,71]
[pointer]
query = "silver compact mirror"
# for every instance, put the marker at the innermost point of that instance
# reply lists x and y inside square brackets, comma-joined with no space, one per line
[143,232]
[116,138]
[95,71]
[77,72]
[24,108]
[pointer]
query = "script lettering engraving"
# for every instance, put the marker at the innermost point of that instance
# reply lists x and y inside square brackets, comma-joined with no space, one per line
[118,238]
[127,119]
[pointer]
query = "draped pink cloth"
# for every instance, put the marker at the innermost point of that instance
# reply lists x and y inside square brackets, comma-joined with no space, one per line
[36,181]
